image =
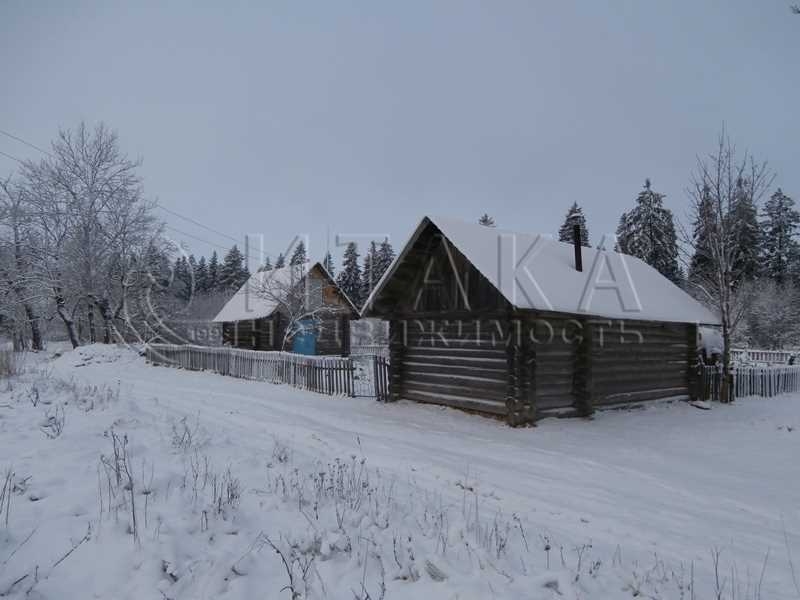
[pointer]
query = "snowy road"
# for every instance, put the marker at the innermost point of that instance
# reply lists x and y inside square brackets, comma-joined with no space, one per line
[669,479]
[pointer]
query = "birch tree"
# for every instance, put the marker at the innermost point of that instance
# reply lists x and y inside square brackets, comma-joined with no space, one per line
[719,182]
[93,221]
[16,257]
[299,297]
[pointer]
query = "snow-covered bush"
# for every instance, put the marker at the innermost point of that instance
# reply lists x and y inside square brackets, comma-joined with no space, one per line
[6,491]
[772,321]
[52,425]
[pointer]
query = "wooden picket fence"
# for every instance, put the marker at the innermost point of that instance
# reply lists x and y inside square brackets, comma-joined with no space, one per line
[747,380]
[751,355]
[369,349]
[380,365]
[332,375]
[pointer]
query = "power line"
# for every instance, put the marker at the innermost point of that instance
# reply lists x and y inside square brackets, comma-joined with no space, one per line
[190,220]
[158,204]
[27,143]
[11,157]
[199,239]
[194,237]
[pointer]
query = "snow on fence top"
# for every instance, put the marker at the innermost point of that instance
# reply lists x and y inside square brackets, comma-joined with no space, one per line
[536,272]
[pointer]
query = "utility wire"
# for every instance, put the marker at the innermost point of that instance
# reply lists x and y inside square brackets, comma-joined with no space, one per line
[11,157]
[194,237]
[158,204]
[190,220]
[27,143]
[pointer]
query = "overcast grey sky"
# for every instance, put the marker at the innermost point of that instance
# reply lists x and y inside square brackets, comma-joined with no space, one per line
[286,117]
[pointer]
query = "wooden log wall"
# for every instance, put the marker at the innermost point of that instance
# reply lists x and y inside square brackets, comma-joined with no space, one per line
[251,334]
[333,334]
[637,360]
[521,352]
[555,339]
[396,359]
[333,337]
[583,378]
[536,366]
[456,363]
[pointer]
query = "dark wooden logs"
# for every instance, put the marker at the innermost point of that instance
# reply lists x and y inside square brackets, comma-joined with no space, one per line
[396,358]
[520,389]
[692,372]
[583,378]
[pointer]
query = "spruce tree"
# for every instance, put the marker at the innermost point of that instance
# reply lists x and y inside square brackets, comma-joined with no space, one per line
[701,267]
[574,217]
[299,254]
[486,220]
[384,260]
[280,262]
[233,272]
[156,265]
[182,279]
[349,278]
[213,273]
[648,232]
[267,265]
[327,263]
[622,233]
[780,250]
[368,273]
[201,275]
[746,233]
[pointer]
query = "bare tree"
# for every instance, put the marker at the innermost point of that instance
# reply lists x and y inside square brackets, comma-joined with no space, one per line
[94,226]
[718,182]
[299,297]
[52,265]
[16,257]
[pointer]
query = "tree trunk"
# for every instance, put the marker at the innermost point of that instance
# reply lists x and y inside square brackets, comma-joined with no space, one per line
[69,324]
[725,391]
[104,307]
[18,341]
[36,334]
[90,323]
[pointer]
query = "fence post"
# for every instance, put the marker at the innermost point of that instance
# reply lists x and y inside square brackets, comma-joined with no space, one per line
[351,373]
[731,386]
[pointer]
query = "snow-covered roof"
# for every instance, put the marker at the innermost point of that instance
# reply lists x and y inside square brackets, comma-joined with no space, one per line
[247,303]
[536,272]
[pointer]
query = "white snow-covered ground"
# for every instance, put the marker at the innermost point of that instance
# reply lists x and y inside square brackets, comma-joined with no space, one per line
[365,500]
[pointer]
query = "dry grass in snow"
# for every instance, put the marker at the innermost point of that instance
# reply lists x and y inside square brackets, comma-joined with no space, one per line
[119,480]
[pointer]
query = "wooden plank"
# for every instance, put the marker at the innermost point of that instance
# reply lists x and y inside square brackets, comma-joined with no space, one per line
[477,383]
[485,370]
[463,358]
[495,408]
[548,388]
[617,368]
[623,385]
[642,395]
[463,391]
[545,401]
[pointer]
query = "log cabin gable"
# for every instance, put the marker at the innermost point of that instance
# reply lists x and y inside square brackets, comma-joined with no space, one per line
[435,277]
